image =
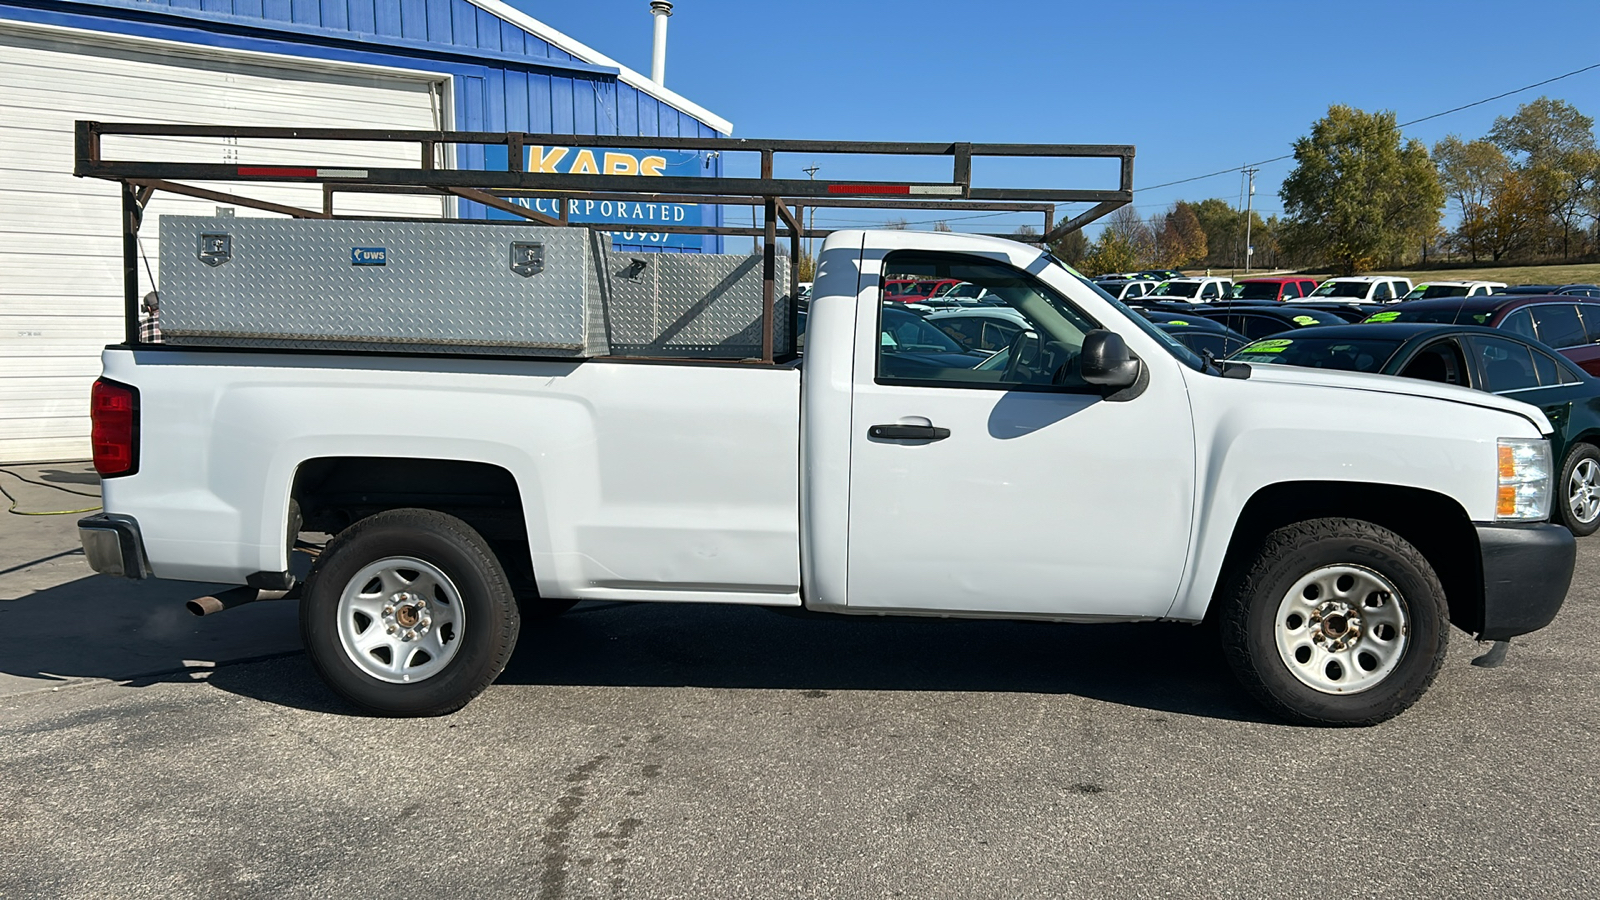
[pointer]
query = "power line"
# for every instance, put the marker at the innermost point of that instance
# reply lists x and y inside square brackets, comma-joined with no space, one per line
[1401,125]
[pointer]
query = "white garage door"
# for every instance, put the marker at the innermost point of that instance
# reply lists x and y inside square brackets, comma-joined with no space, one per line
[60,245]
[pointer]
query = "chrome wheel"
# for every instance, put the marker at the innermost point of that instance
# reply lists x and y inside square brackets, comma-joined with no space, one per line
[400,620]
[1583,491]
[1341,629]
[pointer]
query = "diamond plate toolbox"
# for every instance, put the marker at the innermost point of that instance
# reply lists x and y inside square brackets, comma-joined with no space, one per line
[690,305]
[418,286]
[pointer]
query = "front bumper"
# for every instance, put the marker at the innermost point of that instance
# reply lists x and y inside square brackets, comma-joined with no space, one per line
[113,545]
[1526,572]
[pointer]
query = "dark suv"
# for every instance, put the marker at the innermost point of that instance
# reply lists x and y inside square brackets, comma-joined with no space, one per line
[1569,324]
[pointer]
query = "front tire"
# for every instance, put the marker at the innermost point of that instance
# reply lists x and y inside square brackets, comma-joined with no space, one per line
[1337,622]
[408,613]
[1577,506]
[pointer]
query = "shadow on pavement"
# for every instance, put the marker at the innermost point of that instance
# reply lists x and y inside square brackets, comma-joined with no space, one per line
[1165,667]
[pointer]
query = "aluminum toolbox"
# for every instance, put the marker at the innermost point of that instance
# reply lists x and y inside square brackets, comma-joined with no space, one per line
[451,287]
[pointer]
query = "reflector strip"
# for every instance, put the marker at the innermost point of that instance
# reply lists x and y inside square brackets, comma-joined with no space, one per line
[949,190]
[869,189]
[279,171]
[341,173]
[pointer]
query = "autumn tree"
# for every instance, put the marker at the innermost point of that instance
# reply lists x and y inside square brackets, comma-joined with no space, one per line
[1359,195]
[1470,173]
[1183,241]
[1072,247]
[1553,145]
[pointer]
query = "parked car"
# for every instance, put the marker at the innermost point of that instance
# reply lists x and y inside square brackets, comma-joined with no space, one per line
[1475,357]
[1364,288]
[1274,287]
[1216,342]
[1350,312]
[1128,290]
[1575,290]
[1568,324]
[985,328]
[1196,290]
[1258,320]
[1432,289]
[1160,275]
[907,288]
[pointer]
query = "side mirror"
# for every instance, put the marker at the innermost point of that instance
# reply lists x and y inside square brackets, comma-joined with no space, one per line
[1105,360]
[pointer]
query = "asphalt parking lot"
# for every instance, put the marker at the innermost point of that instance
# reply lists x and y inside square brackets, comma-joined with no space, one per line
[682,751]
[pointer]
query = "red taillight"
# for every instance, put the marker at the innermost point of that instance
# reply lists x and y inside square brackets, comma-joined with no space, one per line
[114,412]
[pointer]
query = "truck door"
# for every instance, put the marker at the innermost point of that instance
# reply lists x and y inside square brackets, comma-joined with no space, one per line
[1002,483]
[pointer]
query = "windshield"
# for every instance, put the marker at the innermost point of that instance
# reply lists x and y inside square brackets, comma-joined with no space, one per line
[1448,315]
[1349,354]
[1178,288]
[1173,345]
[1429,291]
[1342,289]
[1256,290]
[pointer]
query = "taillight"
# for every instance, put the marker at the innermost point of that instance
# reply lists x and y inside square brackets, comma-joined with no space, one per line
[114,412]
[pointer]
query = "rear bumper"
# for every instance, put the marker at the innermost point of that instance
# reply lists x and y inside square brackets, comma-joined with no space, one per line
[113,545]
[1526,572]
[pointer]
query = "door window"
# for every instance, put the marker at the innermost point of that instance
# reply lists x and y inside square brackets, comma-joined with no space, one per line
[1590,313]
[1440,361]
[1041,345]
[1382,292]
[1558,325]
[1506,365]
[1520,323]
[1209,291]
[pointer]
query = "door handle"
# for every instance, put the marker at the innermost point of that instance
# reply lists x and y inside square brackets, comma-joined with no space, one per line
[908,432]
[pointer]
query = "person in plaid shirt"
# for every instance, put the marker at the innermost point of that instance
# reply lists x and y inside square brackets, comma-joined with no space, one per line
[150,324]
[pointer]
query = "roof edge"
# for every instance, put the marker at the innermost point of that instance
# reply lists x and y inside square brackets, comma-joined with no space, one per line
[594,57]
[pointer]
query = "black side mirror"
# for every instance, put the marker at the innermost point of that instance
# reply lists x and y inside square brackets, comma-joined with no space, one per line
[1105,360]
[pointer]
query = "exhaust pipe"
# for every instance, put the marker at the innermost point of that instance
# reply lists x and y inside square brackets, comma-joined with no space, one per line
[228,599]
[661,9]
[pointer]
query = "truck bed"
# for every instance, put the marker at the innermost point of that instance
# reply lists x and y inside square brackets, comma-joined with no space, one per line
[677,481]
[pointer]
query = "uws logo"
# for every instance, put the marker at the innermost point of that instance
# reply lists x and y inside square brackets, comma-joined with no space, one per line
[563,161]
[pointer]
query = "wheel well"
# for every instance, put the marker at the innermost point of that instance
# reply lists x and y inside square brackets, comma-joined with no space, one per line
[1433,523]
[332,493]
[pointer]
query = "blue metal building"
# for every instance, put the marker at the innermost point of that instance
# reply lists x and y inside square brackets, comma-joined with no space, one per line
[472,65]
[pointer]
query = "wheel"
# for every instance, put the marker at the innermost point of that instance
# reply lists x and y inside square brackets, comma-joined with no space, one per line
[408,613]
[1578,505]
[1336,622]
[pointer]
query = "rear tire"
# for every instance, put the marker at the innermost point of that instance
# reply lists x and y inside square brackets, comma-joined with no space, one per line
[408,613]
[1577,503]
[1337,622]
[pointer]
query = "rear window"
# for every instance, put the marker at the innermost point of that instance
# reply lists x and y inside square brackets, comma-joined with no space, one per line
[1429,291]
[1558,325]
[1178,288]
[1342,289]
[1256,290]
[1449,315]
[1349,354]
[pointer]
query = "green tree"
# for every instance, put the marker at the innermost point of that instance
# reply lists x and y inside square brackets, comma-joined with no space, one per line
[1359,196]
[1113,251]
[1072,247]
[1224,229]
[1470,173]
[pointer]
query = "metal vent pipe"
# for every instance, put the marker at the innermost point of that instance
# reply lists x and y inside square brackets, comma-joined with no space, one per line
[661,9]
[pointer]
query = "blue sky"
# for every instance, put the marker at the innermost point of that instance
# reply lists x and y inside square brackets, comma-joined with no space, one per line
[1197,87]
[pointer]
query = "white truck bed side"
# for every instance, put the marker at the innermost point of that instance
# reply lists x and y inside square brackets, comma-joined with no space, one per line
[638,481]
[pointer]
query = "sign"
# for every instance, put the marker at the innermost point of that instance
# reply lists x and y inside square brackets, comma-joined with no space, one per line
[634,218]
[369,256]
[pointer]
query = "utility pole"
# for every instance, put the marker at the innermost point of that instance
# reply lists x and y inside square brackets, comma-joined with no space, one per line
[811,248]
[1249,213]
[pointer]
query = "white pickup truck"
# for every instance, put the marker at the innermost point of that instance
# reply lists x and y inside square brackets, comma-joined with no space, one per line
[475,424]
[1332,524]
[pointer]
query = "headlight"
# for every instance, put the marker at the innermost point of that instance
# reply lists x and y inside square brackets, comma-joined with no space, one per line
[1525,480]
